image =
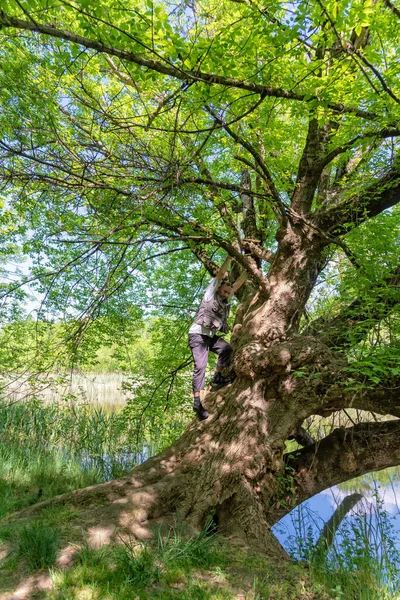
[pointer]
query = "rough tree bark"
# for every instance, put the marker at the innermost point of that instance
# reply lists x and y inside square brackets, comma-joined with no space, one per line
[231,467]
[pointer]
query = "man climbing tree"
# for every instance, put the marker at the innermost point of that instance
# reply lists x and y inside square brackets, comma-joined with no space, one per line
[212,318]
[265,130]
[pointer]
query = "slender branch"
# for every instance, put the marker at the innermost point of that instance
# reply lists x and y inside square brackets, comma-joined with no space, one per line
[378,76]
[383,193]
[266,175]
[392,7]
[382,134]
[170,70]
[219,202]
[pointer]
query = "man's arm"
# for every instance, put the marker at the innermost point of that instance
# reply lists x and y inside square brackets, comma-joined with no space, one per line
[239,282]
[223,269]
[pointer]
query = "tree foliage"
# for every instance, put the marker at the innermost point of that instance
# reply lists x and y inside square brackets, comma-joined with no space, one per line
[142,139]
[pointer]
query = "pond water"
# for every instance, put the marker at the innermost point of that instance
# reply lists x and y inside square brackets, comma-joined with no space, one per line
[378,511]
[112,466]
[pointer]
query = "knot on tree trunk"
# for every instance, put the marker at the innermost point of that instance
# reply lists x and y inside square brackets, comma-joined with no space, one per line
[255,359]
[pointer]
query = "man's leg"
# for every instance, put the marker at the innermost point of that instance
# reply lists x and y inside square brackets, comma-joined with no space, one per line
[224,352]
[200,348]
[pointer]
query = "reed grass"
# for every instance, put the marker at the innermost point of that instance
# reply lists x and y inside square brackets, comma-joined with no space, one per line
[48,449]
[29,474]
[102,389]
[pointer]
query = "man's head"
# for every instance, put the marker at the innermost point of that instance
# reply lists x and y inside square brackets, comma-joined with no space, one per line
[225,289]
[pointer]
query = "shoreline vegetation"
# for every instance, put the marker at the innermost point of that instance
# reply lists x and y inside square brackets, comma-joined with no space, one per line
[47,449]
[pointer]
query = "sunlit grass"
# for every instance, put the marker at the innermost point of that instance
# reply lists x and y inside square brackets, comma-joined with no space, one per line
[174,567]
[29,474]
[48,449]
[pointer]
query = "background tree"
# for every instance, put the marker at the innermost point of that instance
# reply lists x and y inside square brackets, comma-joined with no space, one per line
[132,133]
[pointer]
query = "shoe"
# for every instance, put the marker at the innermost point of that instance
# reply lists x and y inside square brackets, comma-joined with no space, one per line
[200,410]
[302,437]
[219,379]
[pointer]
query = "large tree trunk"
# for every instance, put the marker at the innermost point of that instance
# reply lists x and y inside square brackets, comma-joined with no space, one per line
[226,468]
[231,468]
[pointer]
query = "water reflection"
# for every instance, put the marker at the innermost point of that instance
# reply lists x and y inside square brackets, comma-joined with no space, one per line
[381,498]
[112,466]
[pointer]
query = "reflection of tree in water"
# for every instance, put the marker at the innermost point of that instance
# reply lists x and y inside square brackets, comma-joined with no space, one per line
[359,537]
[368,482]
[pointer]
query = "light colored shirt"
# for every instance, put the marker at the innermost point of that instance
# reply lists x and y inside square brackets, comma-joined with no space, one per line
[208,294]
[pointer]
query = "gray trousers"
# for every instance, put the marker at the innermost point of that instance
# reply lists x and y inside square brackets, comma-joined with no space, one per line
[200,346]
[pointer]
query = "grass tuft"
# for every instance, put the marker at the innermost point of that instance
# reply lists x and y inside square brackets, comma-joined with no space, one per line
[363,561]
[196,551]
[138,563]
[38,544]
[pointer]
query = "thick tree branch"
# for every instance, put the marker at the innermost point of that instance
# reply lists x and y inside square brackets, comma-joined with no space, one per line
[354,321]
[203,257]
[249,222]
[377,197]
[356,391]
[253,247]
[330,528]
[342,455]
[323,381]
[169,69]
[310,168]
